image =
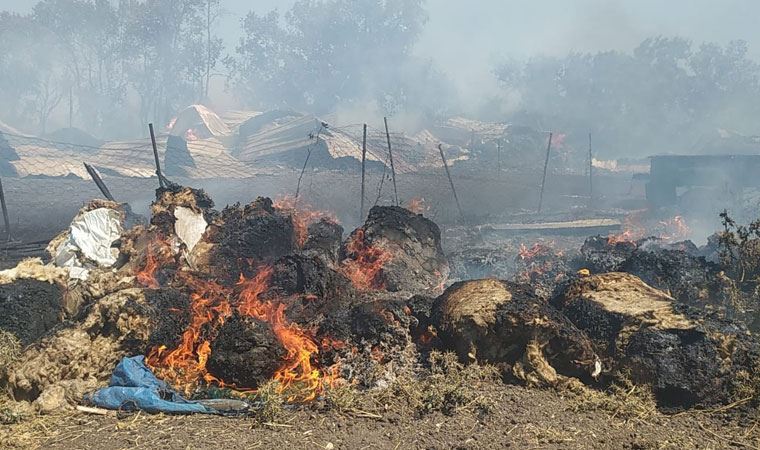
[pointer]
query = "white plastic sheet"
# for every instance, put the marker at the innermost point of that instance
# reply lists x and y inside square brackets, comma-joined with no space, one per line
[90,236]
[189,226]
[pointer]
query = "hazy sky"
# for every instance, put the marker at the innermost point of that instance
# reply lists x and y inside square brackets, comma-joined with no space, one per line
[466,37]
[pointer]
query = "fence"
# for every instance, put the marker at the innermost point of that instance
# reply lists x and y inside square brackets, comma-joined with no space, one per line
[46,183]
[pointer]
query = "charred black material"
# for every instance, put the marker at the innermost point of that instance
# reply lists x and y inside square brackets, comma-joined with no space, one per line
[246,352]
[171,312]
[254,233]
[29,309]
[324,240]
[599,255]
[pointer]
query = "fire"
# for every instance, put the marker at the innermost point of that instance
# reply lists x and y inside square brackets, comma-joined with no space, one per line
[297,376]
[154,258]
[365,263]
[185,365]
[417,205]
[538,249]
[303,216]
[211,304]
[674,229]
[633,230]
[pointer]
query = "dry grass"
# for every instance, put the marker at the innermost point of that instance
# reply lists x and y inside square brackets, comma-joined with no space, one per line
[623,400]
[10,349]
[447,386]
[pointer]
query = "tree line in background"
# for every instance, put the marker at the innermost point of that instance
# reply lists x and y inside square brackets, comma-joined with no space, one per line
[665,96]
[111,66]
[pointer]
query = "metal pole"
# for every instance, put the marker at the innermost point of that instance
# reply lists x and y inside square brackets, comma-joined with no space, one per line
[364,159]
[590,173]
[155,155]
[448,175]
[5,213]
[543,180]
[390,154]
[99,182]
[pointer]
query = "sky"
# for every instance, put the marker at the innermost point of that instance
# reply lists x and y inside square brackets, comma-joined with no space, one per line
[466,38]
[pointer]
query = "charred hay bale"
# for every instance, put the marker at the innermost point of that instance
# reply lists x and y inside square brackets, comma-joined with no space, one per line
[245,352]
[600,254]
[636,330]
[504,323]
[256,232]
[29,308]
[170,310]
[82,356]
[416,262]
[689,279]
[324,239]
[311,277]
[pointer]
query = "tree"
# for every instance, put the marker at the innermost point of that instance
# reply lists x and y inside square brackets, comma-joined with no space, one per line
[324,53]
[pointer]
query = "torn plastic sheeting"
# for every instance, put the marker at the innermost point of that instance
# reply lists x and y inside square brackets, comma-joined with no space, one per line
[134,387]
[189,226]
[91,235]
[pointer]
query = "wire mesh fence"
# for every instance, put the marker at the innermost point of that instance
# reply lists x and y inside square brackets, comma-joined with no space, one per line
[46,182]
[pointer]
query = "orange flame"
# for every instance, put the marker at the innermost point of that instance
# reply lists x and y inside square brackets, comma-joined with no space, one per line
[674,229]
[633,230]
[365,263]
[155,256]
[185,365]
[302,216]
[297,376]
[538,249]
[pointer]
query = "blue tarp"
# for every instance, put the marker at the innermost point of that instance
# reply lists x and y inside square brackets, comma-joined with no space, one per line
[134,387]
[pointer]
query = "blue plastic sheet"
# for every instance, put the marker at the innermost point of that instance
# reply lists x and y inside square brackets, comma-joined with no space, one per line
[134,387]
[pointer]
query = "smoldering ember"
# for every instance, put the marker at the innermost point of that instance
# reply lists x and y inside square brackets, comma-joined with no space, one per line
[379,224]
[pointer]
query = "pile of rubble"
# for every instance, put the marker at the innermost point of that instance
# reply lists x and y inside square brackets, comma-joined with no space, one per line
[225,302]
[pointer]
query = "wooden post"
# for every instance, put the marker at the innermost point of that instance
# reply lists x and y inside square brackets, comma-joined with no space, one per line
[498,155]
[364,161]
[590,173]
[155,155]
[543,179]
[451,183]
[6,221]
[99,182]
[390,155]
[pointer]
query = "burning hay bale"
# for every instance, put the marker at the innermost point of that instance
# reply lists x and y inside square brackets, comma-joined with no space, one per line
[504,323]
[636,330]
[396,250]
[243,351]
[257,231]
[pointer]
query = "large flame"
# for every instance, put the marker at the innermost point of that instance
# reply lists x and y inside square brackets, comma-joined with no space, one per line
[211,304]
[185,366]
[297,376]
[365,263]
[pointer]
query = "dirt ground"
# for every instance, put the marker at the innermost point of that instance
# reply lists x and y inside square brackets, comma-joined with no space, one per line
[520,418]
